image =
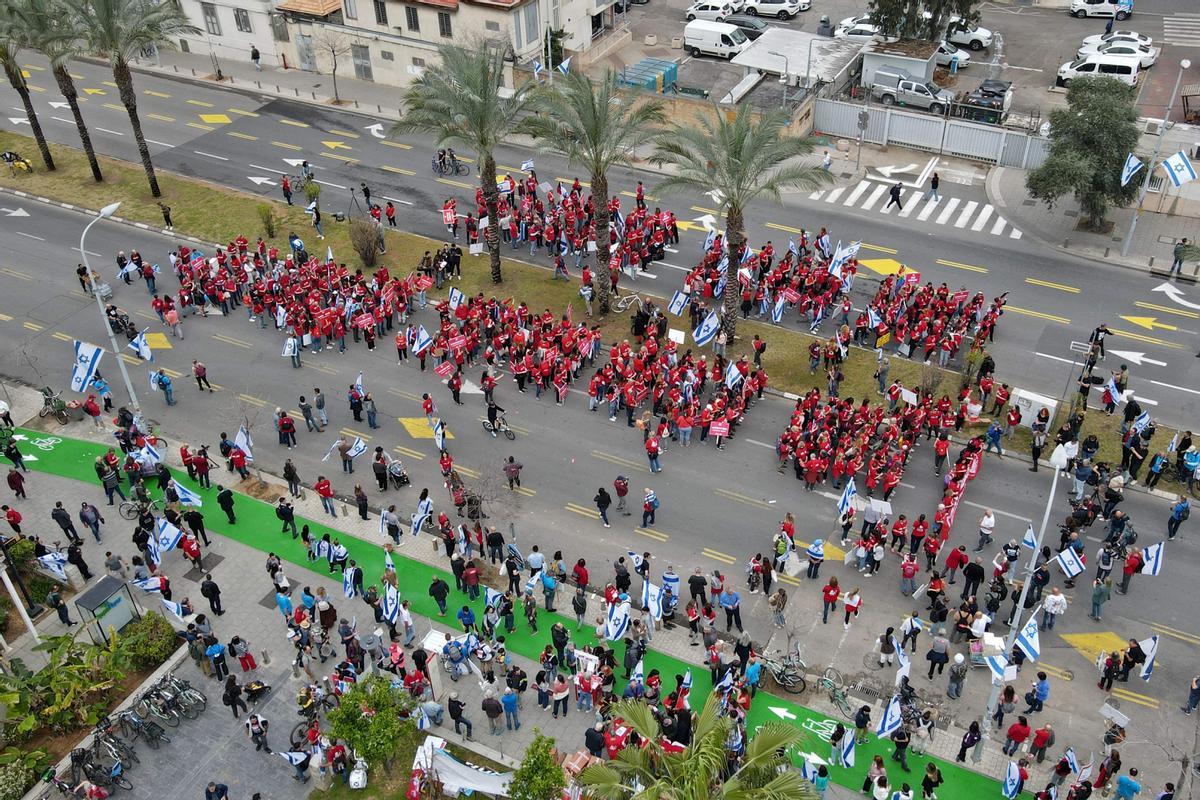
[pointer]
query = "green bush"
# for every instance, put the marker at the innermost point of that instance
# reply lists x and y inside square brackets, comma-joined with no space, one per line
[268,218]
[16,779]
[148,642]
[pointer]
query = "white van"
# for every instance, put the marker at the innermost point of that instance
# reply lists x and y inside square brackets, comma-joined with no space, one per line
[702,37]
[1123,68]
[1120,9]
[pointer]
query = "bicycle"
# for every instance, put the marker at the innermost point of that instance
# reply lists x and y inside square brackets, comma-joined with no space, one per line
[54,405]
[501,426]
[64,788]
[136,727]
[625,302]
[836,691]
[452,167]
[84,767]
[132,509]
[155,440]
[153,704]
[106,744]
[185,692]
[788,673]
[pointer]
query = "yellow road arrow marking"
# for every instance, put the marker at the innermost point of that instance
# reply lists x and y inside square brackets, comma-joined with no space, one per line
[881,266]
[1089,645]
[215,119]
[88,90]
[336,146]
[1149,323]
[684,225]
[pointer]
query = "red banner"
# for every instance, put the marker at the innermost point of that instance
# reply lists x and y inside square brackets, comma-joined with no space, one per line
[448,216]
[719,427]
[365,320]
[444,369]
[457,342]
[961,296]
[912,277]
[423,282]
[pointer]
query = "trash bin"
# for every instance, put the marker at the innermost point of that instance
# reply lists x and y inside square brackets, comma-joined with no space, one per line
[75,411]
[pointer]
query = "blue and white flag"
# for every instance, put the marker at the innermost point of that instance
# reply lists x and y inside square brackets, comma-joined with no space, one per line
[1152,558]
[455,298]
[635,559]
[818,318]
[565,66]
[873,318]
[55,562]
[719,289]
[807,770]
[153,378]
[652,598]
[1131,168]
[1030,538]
[357,448]
[1112,389]
[418,521]
[389,604]
[1069,562]
[294,758]
[890,721]
[670,582]
[619,223]
[140,346]
[778,309]
[537,68]
[174,608]
[348,587]
[1174,444]
[1012,781]
[792,248]
[1150,648]
[332,447]
[244,442]
[534,579]
[678,303]
[491,597]
[167,536]
[616,621]
[1142,421]
[388,564]
[149,454]
[733,375]
[87,359]
[848,749]
[709,240]
[149,585]
[747,252]
[439,434]
[1072,761]
[186,496]
[1179,169]
[901,657]
[726,683]
[422,342]
[822,244]
[707,330]
[1028,639]
[835,264]
[639,673]
[997,664]
[816,550]
[527,165]
[423,721]
[358,384]
[846,502]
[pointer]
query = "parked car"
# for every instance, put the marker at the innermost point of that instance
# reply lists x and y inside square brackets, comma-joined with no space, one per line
[896,86]
[862,32]
[780,9]
[972,36]
[709,10]
[850,22]
[753,27]
[946,52]
[1121,9]
[704,37]
[1121,68]
[1146,55]
[1120,36]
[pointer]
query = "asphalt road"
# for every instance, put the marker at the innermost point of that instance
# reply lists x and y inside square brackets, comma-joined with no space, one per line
[717,508]
[244,140]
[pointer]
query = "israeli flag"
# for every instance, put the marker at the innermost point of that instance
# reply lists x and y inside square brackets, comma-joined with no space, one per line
[777,310]
[1072,762]
[1069,562]
[997,664]
[87,359]
[527,165]
[534,579]
[726,683]
[747,252]
[1111,386]
[281,319]
[348,587]
[901,657]
[1142,421]
[1174,444]
[707,330]
[140,346]
[1153,557]
[149,585]
[186,496]
[848,749]
[294,758]
[1029,539]
[388,564]
[389,604]
[150,454]
[537,68]
[616,621]
[890,721]
[807,770]
[491,597]
[1131,168]
[439,434]
[174,608]
[724,279]
[154,380]
[358,384]
[733,375]
[835,264]
[423,340]
[1028,639]
[456,298]
[55,562]
[816,550]
[565,66]
[792,248]
[1012,781]
[329,452]
[168,535]
[822,244]
[846,501]
[635,559]
[1150,648]
[709,240]
[677,304]
[873,318]
[1179,169]
[818,318]
[358,448]
[244,442]
[639,674]
[418,521]
[652,598]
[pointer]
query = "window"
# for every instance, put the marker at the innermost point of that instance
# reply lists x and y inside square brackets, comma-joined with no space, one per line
[418,62]
[444,24]
[411,20]
[350,9]
[492,25]
[380,12]
[532,29]
[241,18]
[211,23]
[360,56]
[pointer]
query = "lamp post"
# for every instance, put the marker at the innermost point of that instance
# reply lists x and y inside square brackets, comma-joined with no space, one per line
[1183,65]
[787,69]
[1058,462]
[105,213]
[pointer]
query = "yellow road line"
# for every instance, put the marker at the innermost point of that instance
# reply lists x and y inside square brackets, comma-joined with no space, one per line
[1183,636]
[16,273]
[342,158]
[286,146]
[590,513]
[161,117]
[62,337]
[34,67]
[241,113]
[1165,310]
[200,103]
[717,555]
[1134,697]
[470,473]
[252,400]
[647,197]
[619,461]
[402,393]
[960,265]
[240,135]
[879,248]
[110,84]
[293,123]
[396,170]
[200,126]
[784,228]
[113,106]
[35,88]
[1039,315]
[704,210]
[172,373]
[153,93]
[525,491]
[33,326]
[231,340]
[325,369]
[652,534]
[787,579]
[741,498]
[336,132]
[449,182]
[351,432]
[1140,338]
[404,451]
[402,146]
[568,181]
[1062,287]
[1057,672]
[5,318]
[145,314]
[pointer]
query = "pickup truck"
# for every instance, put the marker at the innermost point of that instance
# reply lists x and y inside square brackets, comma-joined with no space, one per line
[891,88]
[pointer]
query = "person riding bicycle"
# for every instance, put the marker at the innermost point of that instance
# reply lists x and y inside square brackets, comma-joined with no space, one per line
[441,159]
[451,159]
[306,171]
[493,413]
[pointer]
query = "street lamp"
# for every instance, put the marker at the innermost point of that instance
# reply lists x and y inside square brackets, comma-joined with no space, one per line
[1058,462]
[1162,130]
[105,213]
[787,69]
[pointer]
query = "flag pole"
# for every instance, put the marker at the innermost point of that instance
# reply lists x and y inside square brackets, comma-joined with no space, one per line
[105,212]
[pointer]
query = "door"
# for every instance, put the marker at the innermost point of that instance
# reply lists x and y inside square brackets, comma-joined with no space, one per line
[304,52]
[360,54]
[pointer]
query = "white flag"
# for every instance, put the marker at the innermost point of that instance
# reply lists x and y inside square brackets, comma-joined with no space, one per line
[140,346]
[1179,169]
[1131,168]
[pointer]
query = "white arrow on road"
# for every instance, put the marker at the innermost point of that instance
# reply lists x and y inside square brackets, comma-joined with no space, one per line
[376,130]
[708,221]
[15,212]
[59,104]
[782,713]
[716,195]
[1136,358]
[19,121]
[1175,294]
[260,181]
[295,162]
[890,171]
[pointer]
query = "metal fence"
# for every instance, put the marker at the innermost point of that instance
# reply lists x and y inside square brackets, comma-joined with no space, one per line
[955,137]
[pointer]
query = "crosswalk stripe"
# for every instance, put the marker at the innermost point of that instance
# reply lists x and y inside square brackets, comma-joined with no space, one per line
[999,226]
[928,209]
[816,195]
[874,198]
[887,209]
[947,211]
[911,206]
[857,193]
[834,194]
[983,217]
[967,211]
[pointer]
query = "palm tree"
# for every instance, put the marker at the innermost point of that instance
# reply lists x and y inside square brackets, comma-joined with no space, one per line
[737,161]
[121,30]
[13,37]
[55,33]
[462,101]
[597,126]
[696,773]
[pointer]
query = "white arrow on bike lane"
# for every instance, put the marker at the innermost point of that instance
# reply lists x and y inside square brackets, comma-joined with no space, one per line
[782,713]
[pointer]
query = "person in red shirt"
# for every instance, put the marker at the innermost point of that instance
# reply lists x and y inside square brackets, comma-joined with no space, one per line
[829,598]
[324,490]
[14,518]
[957,559]
[653,449]
[1018,732]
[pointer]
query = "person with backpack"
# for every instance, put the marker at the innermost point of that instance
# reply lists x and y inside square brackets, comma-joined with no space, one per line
[649,507]
[621,487]
[1180,511]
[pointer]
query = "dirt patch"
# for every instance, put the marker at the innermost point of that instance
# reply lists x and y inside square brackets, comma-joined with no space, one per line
[1084,224]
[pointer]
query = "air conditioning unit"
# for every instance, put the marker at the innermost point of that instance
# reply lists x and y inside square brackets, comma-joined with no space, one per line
[1154,127]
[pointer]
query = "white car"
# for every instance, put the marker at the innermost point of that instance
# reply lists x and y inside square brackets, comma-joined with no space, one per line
[781,9]
[1120,9]
[850,22]
[1145,55]
[707,9]
[862,32]
[947,51]
[1119,36]
[971,36]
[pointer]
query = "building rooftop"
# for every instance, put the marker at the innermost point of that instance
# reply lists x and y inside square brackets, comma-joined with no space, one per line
[909,48]
[829,57]
[312,8]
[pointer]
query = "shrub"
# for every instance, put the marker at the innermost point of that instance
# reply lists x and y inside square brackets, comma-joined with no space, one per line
[16,779]
[377,735]
[148,642]
[312,190]
[269,220]
[364,236]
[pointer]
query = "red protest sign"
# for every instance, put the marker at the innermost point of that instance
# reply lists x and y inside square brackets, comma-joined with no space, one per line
[718,428]
[423,282]
[912,277]
[457,342]
[448,216]
[791,295]
[364,320]
[444,369]
[961,296]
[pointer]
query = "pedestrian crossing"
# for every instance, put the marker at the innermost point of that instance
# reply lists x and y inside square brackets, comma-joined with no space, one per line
[954,211]
[1182,29]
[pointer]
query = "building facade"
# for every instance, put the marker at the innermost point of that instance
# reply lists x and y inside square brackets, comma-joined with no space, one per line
[228,29]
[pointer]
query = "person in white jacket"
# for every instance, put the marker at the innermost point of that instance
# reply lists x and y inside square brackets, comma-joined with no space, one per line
[1054,604]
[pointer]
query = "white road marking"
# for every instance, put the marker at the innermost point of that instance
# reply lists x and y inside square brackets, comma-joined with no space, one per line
[1170,386]
[967,211]
[928,209]
[332,185]
[834,194]
[888,208]
[30,235]
[911,207]
[947,211]
[160,144]
[857,193]
[880,190]
[394,199]
[760,444]
[997,511]
[999,226]
[209,155]
[114,133]
[983,217]
[674,266]
[60,119]
[1056,358]
[1015,234]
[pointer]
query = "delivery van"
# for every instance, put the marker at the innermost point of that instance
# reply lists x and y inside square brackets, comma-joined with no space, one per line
[702,37]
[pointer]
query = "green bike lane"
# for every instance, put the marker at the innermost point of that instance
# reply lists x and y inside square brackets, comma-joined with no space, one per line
[257,527]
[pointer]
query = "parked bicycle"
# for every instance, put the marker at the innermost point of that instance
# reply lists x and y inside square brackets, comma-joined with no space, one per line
[64,788]
[831,682]
[107,745]
[132,509]
[86,767]
[788,671]
[53,405]
[138,727]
